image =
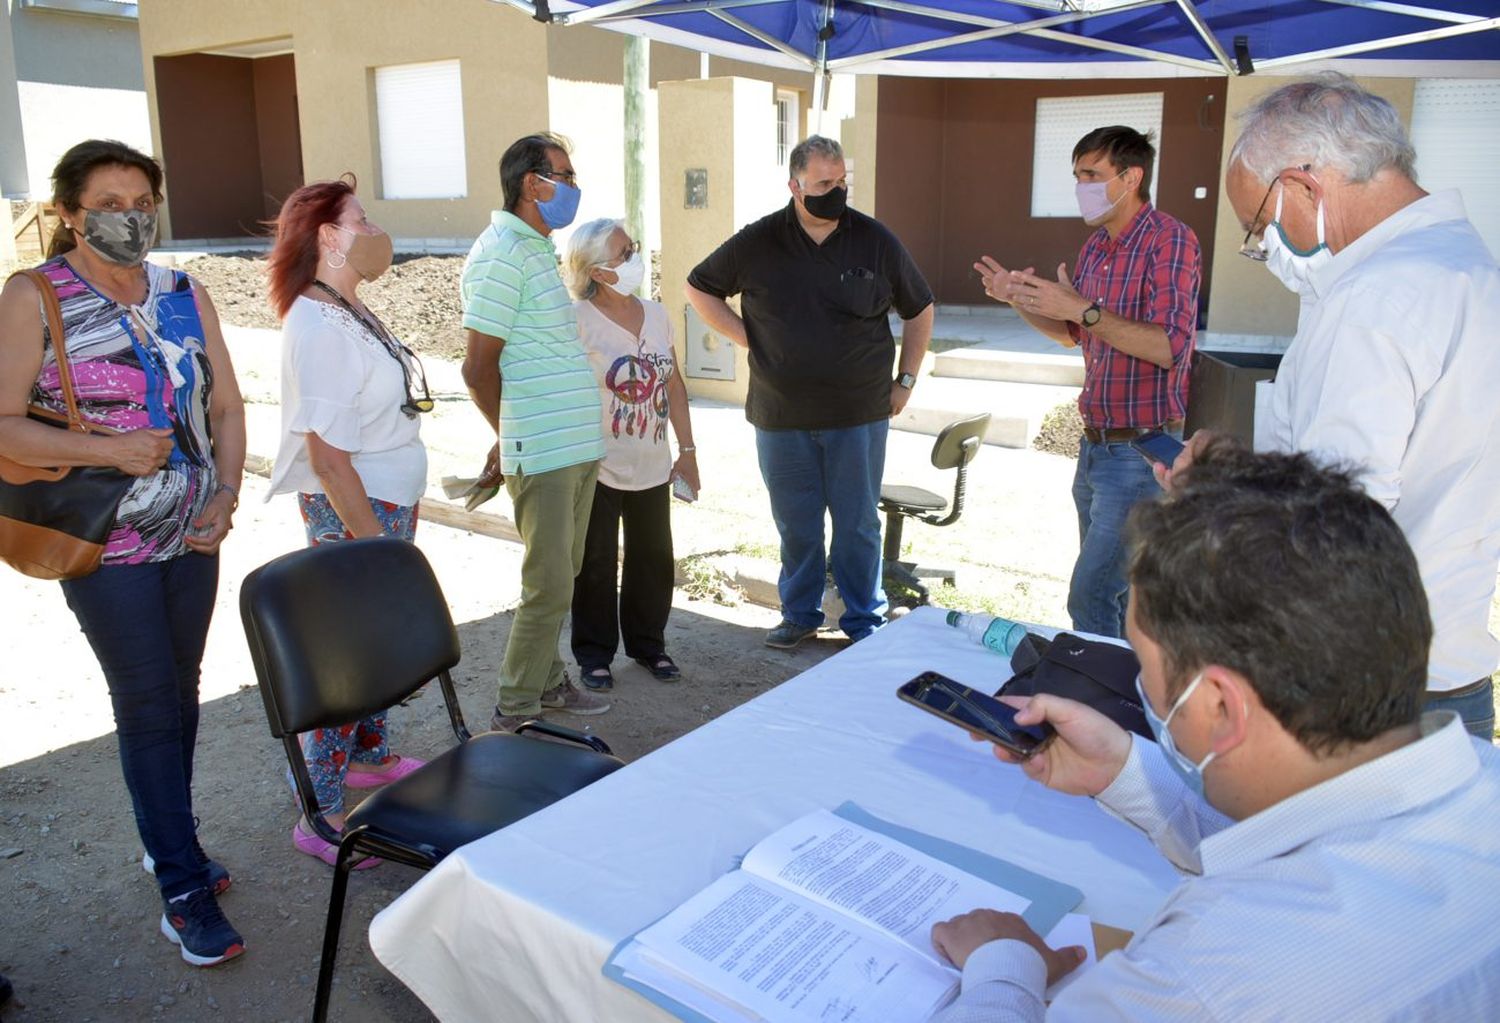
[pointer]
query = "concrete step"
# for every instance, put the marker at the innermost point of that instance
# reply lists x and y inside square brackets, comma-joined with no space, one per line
[1062,369]
[1016,409]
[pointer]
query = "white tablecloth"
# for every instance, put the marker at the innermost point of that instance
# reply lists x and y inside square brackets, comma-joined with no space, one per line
[517,925]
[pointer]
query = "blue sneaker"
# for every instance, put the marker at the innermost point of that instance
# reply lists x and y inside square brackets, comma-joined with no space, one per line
[218,878]
[195,924]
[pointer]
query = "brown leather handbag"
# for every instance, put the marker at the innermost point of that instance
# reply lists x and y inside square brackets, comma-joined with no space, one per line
[54,521]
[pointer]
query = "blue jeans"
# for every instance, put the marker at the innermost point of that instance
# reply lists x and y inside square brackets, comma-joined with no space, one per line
[808,473]
[1475,705]
[147,624]
[1110,479]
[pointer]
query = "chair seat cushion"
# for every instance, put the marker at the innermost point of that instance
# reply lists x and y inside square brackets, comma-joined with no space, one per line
[894,497]
[476,788]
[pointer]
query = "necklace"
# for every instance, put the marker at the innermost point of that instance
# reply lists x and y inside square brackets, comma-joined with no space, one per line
[376,328]
[404,356]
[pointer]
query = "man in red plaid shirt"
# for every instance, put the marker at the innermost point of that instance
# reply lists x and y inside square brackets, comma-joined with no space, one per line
[1132,305]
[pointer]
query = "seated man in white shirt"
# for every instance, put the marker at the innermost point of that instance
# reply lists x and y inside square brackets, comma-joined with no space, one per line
[1341,856]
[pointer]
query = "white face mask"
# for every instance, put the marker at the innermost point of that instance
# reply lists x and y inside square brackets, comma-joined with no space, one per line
[628,275]
[1293,267]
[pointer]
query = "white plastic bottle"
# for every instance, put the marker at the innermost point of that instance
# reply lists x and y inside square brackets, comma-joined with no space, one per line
[999,634]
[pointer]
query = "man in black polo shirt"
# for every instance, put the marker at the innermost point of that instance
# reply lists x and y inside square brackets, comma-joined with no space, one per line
[816,281]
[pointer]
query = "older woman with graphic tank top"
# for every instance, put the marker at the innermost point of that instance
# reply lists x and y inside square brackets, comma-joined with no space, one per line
[350,450]
[629,345]
[148,361]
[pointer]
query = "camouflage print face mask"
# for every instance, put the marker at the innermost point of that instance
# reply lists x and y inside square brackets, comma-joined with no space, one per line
[122,237]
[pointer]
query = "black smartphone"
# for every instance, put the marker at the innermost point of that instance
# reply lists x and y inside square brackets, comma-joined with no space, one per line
[1156,446]
[975,712]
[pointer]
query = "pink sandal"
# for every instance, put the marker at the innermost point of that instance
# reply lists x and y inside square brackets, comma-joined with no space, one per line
[306,842]
[357,779]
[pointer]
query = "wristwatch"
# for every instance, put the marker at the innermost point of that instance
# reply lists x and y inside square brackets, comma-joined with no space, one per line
[1091,316]
[906,380]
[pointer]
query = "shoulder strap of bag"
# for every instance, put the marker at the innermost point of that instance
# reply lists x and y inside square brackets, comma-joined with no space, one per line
[52,310]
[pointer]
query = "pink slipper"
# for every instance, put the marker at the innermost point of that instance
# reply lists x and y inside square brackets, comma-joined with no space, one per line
[357,779]
[306,842]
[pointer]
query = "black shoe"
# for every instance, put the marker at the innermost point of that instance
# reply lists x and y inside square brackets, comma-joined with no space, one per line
[788,634]
[5,989]
[598,678]
[661,667]
[196,925]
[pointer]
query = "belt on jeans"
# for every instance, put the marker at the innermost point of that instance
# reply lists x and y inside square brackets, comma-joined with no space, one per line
[1116,435]
[1465,690]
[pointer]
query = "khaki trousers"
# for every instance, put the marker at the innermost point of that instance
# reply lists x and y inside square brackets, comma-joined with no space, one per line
[552,516]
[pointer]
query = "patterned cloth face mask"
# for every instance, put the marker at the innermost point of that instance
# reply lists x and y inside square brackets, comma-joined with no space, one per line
[120,236]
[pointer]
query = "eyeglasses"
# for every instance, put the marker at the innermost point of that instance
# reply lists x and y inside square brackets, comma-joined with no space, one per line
[568,178]
[630,250]
[1253,247]
[412,366]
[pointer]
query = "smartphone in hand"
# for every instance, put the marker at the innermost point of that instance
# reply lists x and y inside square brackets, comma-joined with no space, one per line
[1158,447]
[975,712]
[683,490]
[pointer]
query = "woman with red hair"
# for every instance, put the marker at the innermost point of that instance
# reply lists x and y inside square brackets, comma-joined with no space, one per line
[350,444]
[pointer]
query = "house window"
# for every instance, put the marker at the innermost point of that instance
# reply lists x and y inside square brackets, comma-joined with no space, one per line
[1062,121]
[1454,151]
[420,120]
[786,124]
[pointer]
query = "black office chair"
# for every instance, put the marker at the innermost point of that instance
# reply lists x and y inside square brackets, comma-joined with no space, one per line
[340,631]
[955,448]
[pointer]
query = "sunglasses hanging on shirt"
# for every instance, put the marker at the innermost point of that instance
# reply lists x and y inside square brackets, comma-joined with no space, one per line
[411,366]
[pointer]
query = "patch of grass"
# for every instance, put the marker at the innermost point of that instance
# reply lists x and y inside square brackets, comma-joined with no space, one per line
[763,551]
[706,581]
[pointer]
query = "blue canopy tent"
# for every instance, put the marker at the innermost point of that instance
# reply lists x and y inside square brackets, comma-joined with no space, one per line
[1064,38]
[1050,38]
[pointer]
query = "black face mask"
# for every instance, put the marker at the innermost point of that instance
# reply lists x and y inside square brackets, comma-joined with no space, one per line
[828,206]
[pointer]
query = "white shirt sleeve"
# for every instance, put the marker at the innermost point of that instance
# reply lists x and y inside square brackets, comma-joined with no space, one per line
[1002,981]
[1149,795]
[328,372]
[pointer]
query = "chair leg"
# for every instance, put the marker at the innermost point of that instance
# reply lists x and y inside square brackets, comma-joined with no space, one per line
[331,931]
[893,524]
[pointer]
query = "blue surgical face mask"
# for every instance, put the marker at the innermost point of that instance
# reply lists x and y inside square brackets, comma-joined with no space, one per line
[1190,773]
[559,211]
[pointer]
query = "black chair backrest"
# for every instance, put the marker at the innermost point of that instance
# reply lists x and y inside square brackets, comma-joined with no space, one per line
[958,442]
[342,630]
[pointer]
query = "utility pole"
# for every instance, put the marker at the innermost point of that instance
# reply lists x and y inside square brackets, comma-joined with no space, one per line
[637,84]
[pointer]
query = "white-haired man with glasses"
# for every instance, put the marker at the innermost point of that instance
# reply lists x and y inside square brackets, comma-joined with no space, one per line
[1394,366]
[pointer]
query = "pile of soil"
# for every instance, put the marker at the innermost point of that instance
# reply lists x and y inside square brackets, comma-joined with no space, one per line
[418,298]
[1062,429]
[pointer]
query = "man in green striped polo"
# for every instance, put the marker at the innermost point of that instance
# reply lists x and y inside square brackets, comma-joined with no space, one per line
[529,376]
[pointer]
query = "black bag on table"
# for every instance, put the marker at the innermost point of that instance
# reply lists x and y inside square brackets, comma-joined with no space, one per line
[1098,675]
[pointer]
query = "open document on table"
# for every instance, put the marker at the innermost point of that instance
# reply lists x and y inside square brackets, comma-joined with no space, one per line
[826,920]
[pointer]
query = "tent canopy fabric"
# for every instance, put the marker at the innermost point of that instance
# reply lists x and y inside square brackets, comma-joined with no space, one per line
[1066,38]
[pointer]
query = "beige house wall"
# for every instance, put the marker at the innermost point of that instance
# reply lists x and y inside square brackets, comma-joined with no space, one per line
[719,125]
[339,43]
[859,144]
[1245,298]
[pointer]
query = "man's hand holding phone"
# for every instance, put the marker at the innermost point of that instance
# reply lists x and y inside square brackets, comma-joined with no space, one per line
[1167,473]
[1087,754]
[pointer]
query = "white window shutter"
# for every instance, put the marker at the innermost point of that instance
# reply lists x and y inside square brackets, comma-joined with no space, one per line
[420,113]
[1455,127]
[1061,121]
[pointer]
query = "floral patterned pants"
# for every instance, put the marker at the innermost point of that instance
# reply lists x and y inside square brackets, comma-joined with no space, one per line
[330,751]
